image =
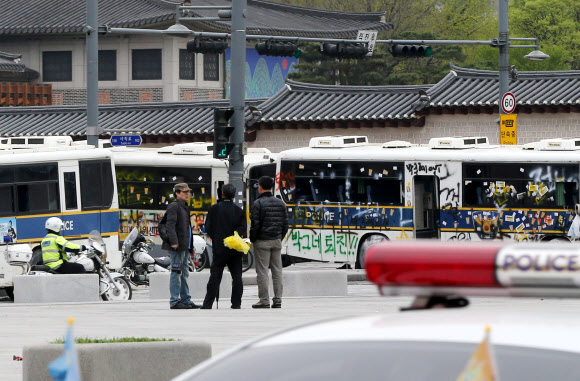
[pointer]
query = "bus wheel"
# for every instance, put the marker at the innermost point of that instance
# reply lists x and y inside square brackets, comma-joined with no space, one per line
[367,241]
[36,257]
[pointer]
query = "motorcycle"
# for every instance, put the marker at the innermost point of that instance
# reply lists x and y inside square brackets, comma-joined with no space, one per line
[112,285]
[137,260]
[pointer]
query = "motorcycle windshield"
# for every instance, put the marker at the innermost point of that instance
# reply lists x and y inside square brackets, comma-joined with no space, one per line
[131,237]
[96,241]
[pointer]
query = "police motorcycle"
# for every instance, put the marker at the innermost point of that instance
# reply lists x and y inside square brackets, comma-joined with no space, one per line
[112,285]
[14,260]
[138,262]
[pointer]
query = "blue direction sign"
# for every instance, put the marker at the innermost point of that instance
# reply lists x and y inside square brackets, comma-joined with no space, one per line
[126,140]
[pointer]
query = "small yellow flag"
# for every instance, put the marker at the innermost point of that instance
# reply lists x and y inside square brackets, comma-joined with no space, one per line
[481,364]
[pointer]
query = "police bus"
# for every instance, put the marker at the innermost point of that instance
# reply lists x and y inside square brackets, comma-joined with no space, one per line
[344,194]
[145,179]
[53,177]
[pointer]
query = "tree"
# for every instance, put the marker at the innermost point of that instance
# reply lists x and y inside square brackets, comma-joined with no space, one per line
[556,23]
[317,68]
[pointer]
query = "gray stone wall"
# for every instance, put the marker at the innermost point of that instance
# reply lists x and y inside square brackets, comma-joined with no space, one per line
[108,96]
[189,94]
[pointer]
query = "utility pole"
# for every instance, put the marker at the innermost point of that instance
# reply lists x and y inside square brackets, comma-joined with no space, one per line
[238,96]
[503,39]
[92,36]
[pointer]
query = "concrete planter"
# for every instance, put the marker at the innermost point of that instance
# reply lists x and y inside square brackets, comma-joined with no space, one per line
[155,360]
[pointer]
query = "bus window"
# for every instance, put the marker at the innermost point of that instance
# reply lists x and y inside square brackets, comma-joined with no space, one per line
[29,189]
[339,182]
[97,185]
[70,190]
[7,204]
[520,185]
[37,198]
[152,188]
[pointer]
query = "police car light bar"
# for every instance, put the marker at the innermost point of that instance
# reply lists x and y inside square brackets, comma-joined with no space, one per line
[443,269]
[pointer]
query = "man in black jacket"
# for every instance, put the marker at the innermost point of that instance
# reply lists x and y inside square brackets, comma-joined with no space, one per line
[223,219]
[180,244]
[269,227]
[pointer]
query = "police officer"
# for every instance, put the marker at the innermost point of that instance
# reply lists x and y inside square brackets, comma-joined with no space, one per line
[54,246]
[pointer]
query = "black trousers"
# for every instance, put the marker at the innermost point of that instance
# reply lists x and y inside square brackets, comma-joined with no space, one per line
[71,268]
[220,261]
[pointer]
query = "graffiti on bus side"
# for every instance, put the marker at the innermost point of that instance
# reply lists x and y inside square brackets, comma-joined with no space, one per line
[148,221]
[518,225]
[337,215]
[335,243]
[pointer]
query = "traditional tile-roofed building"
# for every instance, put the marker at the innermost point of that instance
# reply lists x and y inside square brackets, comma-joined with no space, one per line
[462,103]
[157,122]
[11,70]
[153,68]
[23,18]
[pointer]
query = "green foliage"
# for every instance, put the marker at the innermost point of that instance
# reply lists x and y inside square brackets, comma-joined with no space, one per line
[87,340]
[379,69]
[555,22]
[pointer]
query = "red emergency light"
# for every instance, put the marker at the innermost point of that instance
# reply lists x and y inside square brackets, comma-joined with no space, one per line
[427,268]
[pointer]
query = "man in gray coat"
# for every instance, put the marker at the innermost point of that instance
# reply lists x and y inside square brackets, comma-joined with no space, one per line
[269,227]
[180,244]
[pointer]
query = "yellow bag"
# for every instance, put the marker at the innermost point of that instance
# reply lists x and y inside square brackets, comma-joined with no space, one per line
[237,243]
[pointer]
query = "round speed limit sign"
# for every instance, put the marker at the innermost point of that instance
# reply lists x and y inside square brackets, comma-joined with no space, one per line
[508,103]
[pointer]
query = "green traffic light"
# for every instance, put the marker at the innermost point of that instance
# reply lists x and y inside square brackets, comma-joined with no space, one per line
[297,53]
[428,51]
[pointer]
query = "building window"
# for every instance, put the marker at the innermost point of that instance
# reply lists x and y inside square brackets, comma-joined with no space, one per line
[186,64]
[146,64]
[107,65]
[57,66]
[211,67]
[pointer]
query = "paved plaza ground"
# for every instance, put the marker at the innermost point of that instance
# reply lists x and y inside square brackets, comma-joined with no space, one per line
[31,324]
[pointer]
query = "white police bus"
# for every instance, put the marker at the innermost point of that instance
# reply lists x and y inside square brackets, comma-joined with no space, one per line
[56,178]
[344,194]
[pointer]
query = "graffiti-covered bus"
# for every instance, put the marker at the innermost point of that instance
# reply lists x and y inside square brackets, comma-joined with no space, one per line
[344,194]
[145,179]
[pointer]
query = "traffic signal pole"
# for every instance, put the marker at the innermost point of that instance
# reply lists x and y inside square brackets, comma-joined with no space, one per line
[238,97]
[93,131]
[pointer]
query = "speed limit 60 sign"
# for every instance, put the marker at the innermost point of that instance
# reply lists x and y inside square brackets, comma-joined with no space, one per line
[508,103]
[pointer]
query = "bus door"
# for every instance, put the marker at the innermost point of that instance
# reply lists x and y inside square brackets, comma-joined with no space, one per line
[70,195]
[425,206]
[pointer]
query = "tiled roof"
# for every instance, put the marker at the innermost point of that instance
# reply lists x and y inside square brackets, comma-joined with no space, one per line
[12,70]
[23,17]
[471,87]
[181,118]
[301,105]
[302,102]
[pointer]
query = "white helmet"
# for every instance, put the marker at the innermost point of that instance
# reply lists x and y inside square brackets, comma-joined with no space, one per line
[54,224]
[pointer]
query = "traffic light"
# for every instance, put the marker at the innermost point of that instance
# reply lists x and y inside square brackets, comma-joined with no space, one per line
[221,132]
[206,45]
[344,50]
[411,51]
[278,49]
